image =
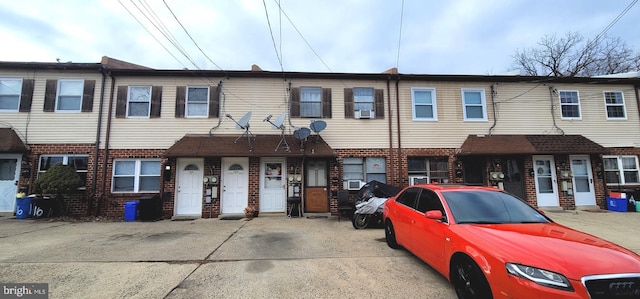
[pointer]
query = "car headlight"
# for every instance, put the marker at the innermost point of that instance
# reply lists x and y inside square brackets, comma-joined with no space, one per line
[540,276]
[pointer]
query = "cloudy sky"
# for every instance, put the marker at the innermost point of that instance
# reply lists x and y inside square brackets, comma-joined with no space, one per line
[363,36]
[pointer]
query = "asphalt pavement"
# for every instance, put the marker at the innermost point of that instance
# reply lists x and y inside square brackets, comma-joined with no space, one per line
[270,256]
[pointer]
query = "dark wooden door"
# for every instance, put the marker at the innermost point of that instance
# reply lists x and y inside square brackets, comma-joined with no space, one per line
[316,189]
[513,169]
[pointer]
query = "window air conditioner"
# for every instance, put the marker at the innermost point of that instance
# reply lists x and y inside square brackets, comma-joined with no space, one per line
[354,184]
[365,114]
[414,180]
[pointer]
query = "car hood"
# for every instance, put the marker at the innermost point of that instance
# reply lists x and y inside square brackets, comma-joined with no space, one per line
[552,247]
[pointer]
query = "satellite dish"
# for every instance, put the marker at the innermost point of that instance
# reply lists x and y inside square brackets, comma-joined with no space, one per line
[301,133]
[318,125]
[243,123]
[277,124]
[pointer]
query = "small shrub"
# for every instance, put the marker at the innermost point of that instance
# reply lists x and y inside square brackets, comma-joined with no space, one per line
[59,179]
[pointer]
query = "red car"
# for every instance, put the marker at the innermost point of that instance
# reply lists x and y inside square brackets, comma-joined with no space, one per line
[490,244]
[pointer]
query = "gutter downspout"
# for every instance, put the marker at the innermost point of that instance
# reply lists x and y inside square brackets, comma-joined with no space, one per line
[106,144]
[399,153]
[493,104]
[553,116]
[94,179]
[394,172]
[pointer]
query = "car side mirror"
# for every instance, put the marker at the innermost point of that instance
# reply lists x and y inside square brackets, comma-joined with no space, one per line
[433,214]
[541,211]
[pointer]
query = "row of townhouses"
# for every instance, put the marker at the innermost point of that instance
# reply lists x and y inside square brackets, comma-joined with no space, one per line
[211,143]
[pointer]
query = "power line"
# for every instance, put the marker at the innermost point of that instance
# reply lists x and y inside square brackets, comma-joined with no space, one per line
[604,31]
[153,36]
[303,38]
[400,34]
[275,48]
[190,37]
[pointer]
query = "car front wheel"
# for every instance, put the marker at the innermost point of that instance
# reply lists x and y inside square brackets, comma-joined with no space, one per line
[468,280]
[390,235]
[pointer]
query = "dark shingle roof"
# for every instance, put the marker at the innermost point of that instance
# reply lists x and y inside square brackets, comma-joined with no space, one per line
[263,146]
[10,142]
[529,144]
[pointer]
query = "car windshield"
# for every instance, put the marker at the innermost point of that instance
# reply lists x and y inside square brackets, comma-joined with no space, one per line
[490,207]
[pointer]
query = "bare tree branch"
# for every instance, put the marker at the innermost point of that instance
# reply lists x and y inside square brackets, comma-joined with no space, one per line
[571,56]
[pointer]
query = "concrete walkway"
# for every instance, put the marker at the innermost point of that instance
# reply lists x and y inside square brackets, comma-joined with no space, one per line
[267,257]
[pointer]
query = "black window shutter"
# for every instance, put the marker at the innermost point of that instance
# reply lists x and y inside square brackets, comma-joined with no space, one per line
[50,95]
[121,102]
[326,103]
[294,102]
[87,95]
[214,101]
[156,101]
[348,103]
[26,95]
[379,103]
[180,100]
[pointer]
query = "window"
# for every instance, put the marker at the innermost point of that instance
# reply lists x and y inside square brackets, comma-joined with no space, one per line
[69,97]
[621,170]
[614,102]
[311,102]
[424,103]
[429,201]
[408,197]
[79,163]
[474,104]
[139,101]
[435,168]
[135,176]
[198,102]
[10,90]
[570,104]
[363,98]
[364,169]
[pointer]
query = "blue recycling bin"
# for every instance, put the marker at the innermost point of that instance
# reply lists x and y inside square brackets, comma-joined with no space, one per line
[130,210]
[23,208]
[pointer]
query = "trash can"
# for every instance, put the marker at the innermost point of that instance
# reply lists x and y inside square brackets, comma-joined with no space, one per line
[633,198]
[150,208]
[616,204]
[43,207]
[130,210]
[23,208]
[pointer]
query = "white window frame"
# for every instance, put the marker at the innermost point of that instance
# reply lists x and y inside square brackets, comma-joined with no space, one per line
[129,101]
[607,105]
[483,103]
[364,168]
[206,113]
[8,95]
[59,94]
[359,101]
[65,161]
[433,105]
[136,176]
[304,102]
[570,104]
[622,170]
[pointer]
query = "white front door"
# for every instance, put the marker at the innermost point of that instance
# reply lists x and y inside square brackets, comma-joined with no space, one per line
[582,181]
[544,169]
[189,191]
[235,185]
[272,188]
[9,175]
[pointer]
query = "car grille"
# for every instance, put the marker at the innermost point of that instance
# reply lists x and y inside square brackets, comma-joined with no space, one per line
[621,286]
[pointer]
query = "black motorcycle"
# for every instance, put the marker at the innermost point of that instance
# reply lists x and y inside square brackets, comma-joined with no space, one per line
[369,203]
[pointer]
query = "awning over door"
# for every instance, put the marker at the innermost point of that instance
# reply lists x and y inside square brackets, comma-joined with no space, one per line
[263,146]
[10,142]
[529,145]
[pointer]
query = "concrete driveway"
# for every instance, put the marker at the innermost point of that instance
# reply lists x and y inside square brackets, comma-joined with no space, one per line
[267,257]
